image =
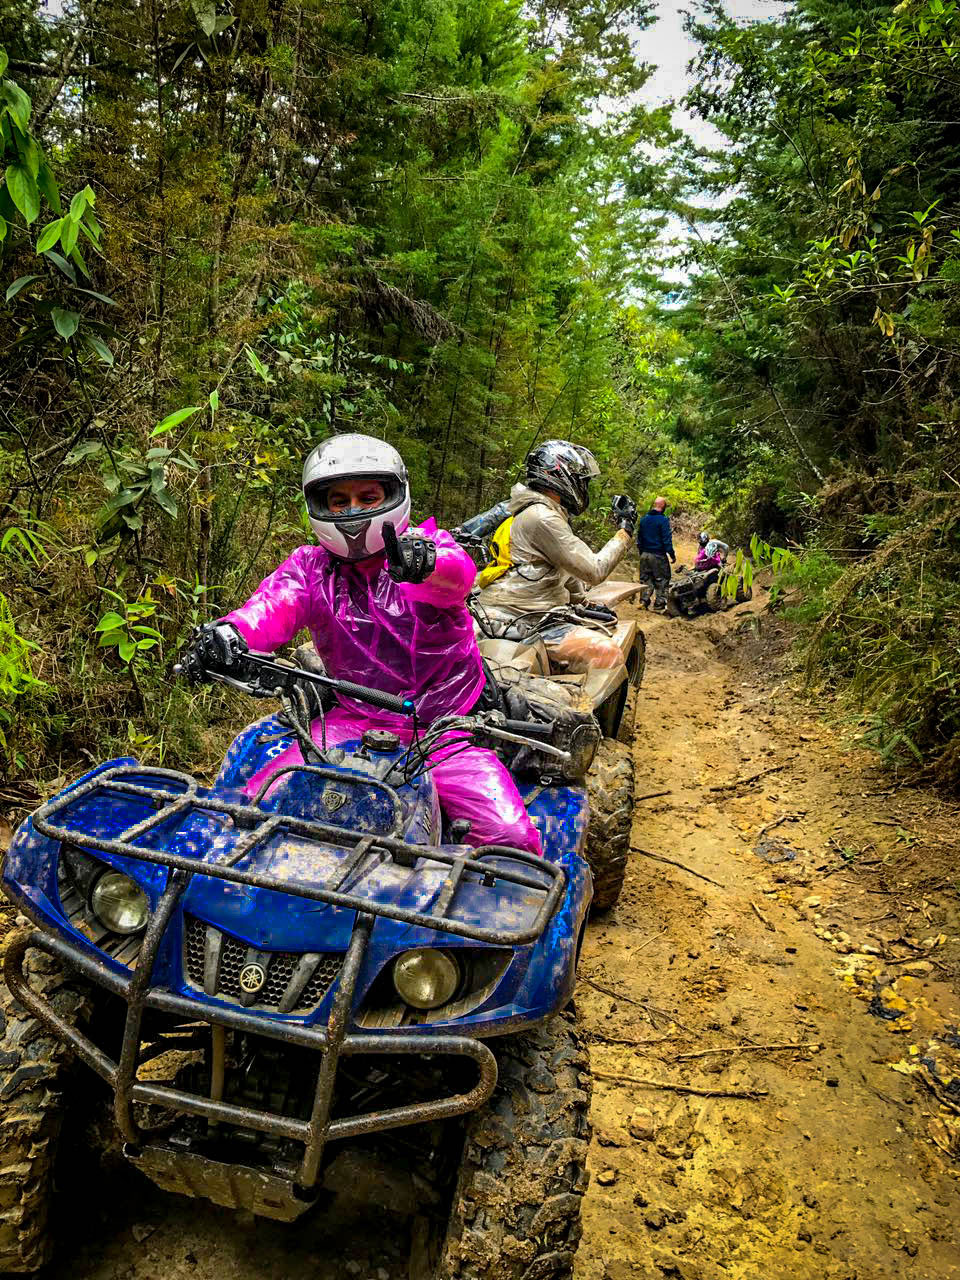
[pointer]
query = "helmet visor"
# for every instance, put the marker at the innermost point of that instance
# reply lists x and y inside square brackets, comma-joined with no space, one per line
[590,466]
[346,499]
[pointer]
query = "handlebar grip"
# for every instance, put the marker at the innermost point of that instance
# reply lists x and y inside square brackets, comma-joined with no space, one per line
[385,701]
[530,728]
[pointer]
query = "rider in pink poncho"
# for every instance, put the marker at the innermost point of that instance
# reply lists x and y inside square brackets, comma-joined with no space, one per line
[398,624]
[711,554]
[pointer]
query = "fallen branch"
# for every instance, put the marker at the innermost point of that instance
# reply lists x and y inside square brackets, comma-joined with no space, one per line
[652,939]
[682,1088]
[762,918]
[652,795]
[641,1004]
[609,991]
[600,1035]
[811,1046]
[943,1098]
[742,782]
[786,817]
[658,857]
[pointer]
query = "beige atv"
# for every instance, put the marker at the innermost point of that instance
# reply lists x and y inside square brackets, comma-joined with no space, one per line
[610,695]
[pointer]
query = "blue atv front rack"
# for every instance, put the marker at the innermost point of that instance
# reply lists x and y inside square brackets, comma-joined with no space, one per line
[549,880]
[178,799]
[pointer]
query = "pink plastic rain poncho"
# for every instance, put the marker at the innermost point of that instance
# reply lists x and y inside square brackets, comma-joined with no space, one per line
[412,640]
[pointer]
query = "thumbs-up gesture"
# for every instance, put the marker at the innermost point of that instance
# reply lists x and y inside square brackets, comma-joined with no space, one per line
[410,558]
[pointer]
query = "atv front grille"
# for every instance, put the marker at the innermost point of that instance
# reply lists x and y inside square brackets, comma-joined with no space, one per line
[293,982]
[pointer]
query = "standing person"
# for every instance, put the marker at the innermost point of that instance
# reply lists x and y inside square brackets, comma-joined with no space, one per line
[385,606]
[655,545]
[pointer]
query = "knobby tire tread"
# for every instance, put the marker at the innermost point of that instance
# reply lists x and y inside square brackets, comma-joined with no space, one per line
[32,1066]
[610,787]
[516,1209]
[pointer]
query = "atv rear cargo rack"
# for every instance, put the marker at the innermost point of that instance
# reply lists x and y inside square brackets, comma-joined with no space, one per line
[259,826]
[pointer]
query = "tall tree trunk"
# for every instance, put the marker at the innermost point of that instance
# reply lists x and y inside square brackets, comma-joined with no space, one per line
[441,474]
[161,284]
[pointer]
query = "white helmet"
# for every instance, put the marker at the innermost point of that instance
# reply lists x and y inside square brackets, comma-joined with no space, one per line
[355,534]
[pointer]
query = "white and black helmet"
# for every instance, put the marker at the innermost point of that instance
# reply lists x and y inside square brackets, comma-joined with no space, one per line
[355,534]
[563,468]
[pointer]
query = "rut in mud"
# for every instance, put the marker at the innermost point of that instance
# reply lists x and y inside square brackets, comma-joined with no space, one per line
[757,1020]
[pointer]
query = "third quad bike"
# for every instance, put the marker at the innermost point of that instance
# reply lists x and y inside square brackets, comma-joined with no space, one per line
[692,591]
[518,659]
[313,990]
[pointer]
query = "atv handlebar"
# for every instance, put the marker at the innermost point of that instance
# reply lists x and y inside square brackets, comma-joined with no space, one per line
[362,692]
[279,676]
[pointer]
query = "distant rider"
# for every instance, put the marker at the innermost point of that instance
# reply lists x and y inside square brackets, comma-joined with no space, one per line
[655,544]
[550,567]
[712,553]
[395,621]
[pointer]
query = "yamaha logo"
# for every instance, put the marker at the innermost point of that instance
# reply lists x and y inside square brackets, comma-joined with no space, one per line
[333,799]
[252,977]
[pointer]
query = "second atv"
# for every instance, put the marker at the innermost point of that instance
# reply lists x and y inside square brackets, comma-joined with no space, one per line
[524,674]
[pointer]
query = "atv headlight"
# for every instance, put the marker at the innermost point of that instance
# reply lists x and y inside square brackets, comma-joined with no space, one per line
[119,903]
[583,747]
[425,978]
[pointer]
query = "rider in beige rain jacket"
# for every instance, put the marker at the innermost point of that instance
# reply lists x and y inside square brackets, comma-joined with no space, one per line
[552,567]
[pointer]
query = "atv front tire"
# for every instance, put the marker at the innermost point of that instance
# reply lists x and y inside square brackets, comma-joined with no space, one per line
[610,787]
[32,1065]
[516,1210]
[713,598]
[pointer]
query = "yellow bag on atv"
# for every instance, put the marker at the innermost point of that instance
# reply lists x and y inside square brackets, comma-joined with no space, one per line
[500,552]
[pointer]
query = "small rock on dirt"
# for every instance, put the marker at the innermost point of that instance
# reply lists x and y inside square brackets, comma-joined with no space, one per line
[641,1125]
[918,969]
[609,1135]
[141,1230]
[607,1177]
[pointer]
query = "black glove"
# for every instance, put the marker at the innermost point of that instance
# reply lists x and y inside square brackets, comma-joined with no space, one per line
[624,513]
[216,646]
[409,557]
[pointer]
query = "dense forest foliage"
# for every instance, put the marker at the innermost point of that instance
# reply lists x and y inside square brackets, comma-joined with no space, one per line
[824,341]
[231,227]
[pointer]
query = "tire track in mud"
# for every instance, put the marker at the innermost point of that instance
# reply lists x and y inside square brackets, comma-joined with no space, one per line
[827,1171]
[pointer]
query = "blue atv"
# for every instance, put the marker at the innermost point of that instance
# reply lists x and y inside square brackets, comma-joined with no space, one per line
[314,990]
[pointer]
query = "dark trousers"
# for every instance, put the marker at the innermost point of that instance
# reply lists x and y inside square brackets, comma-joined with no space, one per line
[655,575]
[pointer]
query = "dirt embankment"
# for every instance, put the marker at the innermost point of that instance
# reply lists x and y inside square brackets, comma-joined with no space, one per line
[770,1023]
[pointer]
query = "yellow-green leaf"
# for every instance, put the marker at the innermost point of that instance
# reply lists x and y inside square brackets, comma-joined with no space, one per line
[173,420]
[23,191]
[49,236]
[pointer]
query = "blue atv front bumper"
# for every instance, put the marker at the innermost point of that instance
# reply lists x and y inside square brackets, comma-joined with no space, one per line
[534,892]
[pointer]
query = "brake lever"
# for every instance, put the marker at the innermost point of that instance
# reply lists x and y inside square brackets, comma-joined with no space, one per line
[219,677]
[505,735]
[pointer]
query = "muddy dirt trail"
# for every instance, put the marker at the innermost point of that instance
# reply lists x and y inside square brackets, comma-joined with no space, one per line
[769,1023]
[760,1108]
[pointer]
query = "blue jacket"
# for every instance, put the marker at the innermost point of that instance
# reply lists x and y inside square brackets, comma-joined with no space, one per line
[654,535]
